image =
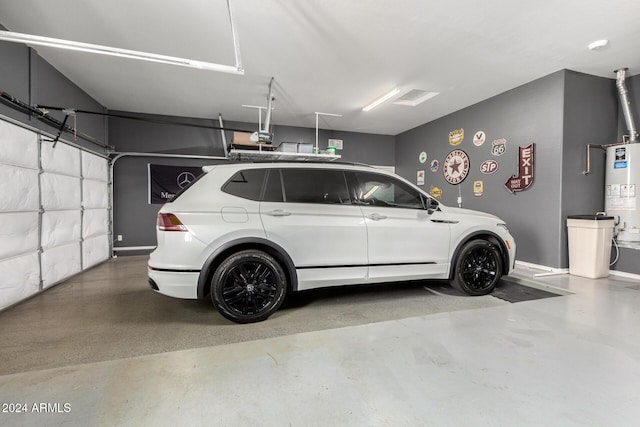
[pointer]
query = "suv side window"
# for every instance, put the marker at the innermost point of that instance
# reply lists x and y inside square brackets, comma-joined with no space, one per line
[324,186]
[246,184]
[374,189]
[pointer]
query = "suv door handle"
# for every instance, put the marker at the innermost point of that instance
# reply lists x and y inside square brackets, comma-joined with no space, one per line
[376,216]
[278,212]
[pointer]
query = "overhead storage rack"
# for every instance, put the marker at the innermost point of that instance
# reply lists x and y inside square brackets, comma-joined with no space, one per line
[253,155]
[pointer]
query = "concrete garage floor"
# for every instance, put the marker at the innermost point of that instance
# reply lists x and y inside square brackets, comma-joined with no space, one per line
[111,313]
[571,360]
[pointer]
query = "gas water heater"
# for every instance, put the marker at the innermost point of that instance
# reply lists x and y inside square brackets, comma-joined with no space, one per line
[623,173]
[621,190]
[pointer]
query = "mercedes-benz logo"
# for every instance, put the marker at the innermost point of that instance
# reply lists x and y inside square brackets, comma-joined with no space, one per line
[185,178]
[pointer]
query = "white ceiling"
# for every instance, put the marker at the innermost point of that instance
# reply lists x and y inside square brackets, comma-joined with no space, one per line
[331,56]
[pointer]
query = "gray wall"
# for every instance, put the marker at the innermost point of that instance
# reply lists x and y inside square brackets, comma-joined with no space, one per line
[15,70]
[26,76]
[561,113]
[134,218]
[590,117]
[530,113]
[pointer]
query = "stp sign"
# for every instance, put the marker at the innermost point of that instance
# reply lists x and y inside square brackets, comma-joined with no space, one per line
[488,167]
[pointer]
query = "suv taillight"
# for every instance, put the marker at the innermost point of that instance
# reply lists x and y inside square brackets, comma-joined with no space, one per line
[169,222]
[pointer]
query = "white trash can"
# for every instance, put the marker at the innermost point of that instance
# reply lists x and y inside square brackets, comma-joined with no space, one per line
[590,245]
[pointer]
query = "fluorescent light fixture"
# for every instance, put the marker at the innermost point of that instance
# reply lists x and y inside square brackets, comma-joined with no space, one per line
[114,51]
[380,100]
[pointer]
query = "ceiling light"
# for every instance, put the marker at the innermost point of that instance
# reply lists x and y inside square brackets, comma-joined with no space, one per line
[598,44]
[380,100]
[114,51]
[415,97]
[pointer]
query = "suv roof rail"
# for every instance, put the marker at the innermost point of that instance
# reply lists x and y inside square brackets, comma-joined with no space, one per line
[328,162]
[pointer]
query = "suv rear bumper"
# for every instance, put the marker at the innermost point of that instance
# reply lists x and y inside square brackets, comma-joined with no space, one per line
[177,284]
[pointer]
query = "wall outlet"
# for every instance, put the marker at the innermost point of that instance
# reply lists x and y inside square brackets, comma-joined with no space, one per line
[119,237]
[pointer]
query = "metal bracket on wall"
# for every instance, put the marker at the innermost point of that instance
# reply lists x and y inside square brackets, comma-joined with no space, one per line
[42,113]
[67,113]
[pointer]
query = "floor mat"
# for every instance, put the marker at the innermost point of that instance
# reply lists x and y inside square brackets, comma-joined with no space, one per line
[512,290]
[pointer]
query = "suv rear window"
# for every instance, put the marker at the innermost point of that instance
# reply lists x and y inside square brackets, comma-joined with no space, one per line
[246,184]
[323,186]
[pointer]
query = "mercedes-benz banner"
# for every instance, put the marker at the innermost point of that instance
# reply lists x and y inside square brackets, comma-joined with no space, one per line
[167,181]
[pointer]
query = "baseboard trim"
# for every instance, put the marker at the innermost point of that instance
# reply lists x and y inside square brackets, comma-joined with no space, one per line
[133,248]
[542,267]
[624,274]
[555,271]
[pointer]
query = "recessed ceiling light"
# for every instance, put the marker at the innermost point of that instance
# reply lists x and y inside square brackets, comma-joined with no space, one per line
[381,99]
[598,44]
[415,97]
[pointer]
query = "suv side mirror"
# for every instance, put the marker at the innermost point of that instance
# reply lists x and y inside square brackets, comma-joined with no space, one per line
[432,205]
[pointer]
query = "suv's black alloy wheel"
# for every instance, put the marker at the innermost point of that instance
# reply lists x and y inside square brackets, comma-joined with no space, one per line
[248,286]
[478,268]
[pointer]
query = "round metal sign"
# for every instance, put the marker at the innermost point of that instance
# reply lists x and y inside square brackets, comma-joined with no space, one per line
[456,167]
[479,138]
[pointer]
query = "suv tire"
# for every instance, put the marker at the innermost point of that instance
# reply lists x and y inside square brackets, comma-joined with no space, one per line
[478,268]
[248,286]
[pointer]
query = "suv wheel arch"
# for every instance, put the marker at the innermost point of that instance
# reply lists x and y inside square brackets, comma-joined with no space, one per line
[480,235]
[225,250]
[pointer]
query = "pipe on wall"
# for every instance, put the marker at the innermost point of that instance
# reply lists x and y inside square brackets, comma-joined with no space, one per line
[623,93]
[602,147]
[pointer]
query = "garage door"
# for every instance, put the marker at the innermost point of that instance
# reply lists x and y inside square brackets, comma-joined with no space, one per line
[54,212]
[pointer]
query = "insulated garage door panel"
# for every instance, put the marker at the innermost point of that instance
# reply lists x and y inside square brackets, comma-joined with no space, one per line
[18,234]
[60,192]
[95,222]
[94,167]
[19,205]
[63,159]
[60,227]
[94,194]
[19,189]
[60,263]
[18,146]
[95,200]
[45,209]
[20,278]
[95,250]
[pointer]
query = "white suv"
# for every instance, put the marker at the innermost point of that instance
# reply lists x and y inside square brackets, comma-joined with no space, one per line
[248,234]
